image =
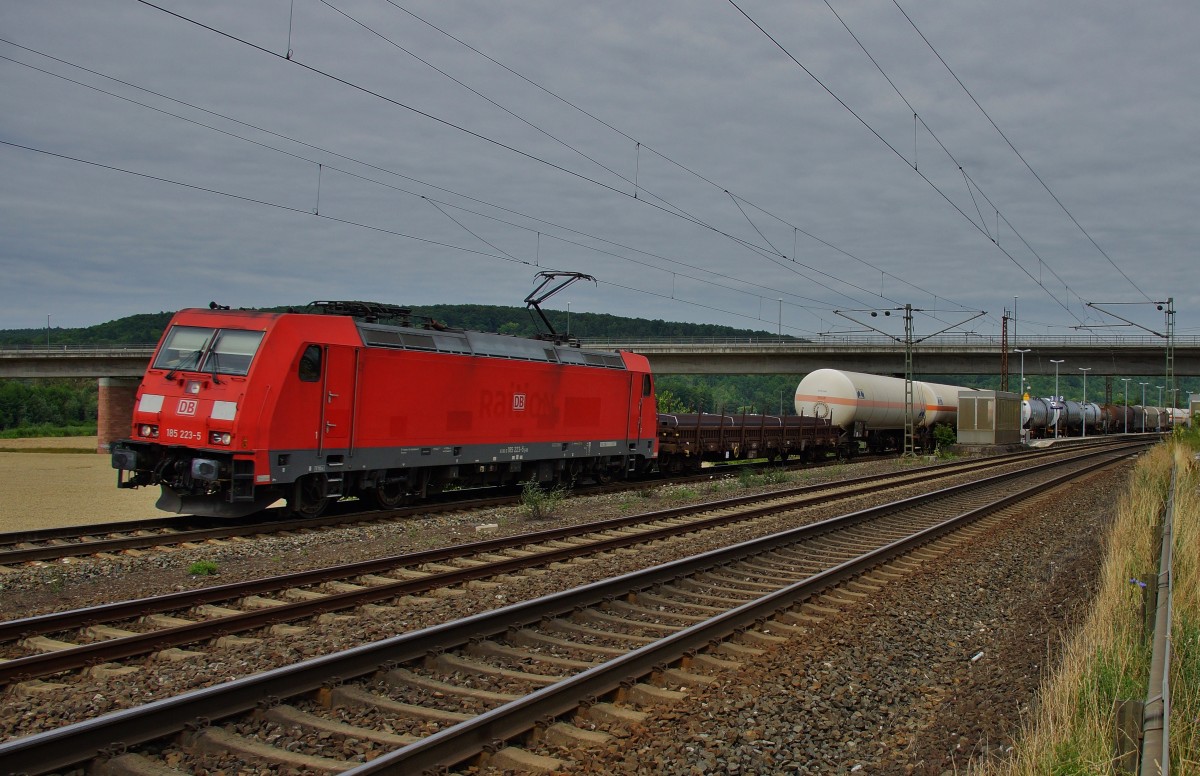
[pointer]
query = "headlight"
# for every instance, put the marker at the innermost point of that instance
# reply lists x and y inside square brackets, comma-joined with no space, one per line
[148,430]
[220,437]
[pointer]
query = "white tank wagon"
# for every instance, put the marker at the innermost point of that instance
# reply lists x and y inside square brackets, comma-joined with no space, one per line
[871,408]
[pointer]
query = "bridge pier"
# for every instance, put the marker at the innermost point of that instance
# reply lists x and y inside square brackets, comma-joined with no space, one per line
[114,410]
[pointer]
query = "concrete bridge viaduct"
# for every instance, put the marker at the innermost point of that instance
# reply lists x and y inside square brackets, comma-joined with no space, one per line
[119,367]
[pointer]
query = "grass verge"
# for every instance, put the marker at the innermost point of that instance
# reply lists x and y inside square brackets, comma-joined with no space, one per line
[46,430]
[1072,729]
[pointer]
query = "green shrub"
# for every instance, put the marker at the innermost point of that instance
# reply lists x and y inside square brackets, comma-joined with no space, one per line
[944,436]
[539,503]
[202,568]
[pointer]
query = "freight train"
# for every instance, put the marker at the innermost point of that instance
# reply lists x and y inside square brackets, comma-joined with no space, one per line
[1042,417]
[241,409]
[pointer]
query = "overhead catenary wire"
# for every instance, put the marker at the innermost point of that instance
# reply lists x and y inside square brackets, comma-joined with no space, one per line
[983,230]
[524,154]
[639,145]
[437,203]
[972,186]
[636,188]
[347,222]
[1025,162]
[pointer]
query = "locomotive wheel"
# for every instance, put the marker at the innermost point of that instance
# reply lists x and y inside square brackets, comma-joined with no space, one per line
[388,495]
[309,497]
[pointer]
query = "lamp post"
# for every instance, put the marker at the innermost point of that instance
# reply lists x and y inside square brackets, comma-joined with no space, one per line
[1159,387]
[1022,351]
[1057,401]
[47,331]
[568,319]
[1143,406]
[779,332]
[1085,370]
[1126,413]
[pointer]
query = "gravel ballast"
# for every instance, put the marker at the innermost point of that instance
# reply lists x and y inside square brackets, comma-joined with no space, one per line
[937,671]
[888,687]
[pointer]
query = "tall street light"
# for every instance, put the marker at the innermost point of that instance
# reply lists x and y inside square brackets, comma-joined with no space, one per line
[1057,400]
[1143,406]
[1022,351]
[1085,370]
[1126,381]
[1159,387]
[780,330]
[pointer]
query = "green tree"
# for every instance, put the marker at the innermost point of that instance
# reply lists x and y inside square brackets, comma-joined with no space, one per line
[669,403]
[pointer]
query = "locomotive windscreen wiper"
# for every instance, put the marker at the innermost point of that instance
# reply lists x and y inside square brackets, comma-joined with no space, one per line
[212,356]
[190,360]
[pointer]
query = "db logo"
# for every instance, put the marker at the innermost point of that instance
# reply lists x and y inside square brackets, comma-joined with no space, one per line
[518,402]
[186,407]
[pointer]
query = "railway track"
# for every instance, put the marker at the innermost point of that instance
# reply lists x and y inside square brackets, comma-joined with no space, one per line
[54,544]
[458,687]
[97,637]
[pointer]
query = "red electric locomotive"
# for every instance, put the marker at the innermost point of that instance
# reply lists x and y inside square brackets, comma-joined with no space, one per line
[240,409]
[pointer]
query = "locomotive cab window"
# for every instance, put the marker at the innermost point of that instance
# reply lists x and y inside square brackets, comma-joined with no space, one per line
[310,364]
[232,352]
[647,385]
[183,347]
[215,351]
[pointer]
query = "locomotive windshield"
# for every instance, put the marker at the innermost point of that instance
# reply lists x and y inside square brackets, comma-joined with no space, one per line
[202,349]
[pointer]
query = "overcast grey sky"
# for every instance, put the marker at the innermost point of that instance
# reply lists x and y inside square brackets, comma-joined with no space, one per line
[701,168]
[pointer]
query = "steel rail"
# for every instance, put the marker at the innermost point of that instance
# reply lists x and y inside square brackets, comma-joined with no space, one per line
[81,741]
[32,666]
[54,621]
[457,743]
[178,530]
[224,531]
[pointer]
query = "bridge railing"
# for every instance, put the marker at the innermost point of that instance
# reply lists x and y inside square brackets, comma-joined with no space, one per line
[829,340]
[942,340]
[76,349]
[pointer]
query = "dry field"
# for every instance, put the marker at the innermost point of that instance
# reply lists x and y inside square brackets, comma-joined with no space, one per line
[72,486]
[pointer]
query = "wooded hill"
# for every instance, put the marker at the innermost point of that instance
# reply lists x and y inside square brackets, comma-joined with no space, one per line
[42,406]
[146,328]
